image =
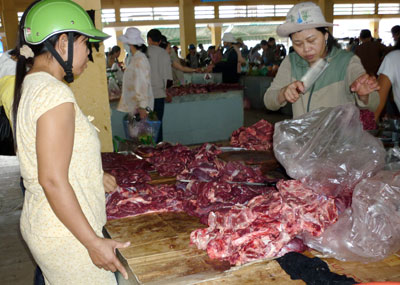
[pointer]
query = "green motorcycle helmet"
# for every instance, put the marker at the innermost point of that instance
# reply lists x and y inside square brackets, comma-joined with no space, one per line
[50,17]
[46,18]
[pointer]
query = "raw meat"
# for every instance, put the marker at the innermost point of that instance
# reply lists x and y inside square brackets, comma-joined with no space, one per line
[127,169]
[144,199]
[256,137]
[171,160]
[201,198]
[267,225]
[202,89]
[367,119]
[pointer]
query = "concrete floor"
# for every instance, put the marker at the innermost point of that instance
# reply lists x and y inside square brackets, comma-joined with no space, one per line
[16,265]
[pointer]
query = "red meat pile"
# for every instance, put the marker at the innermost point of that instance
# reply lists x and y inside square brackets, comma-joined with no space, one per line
[127,169]
[144,199]
[201,198]
[367,119]
[256,137]
[267,225]
[202,89]
[170,160]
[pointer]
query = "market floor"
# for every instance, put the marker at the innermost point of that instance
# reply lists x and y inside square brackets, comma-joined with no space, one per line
[16,265]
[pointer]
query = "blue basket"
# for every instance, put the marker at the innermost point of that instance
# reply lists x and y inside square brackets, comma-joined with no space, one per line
[155,128]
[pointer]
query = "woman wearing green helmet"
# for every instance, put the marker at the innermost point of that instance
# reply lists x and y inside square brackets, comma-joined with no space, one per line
[59,150]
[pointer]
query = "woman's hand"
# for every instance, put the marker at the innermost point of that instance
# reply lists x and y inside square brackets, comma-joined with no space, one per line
[363,86]
[103,254]
[291,93]
[109,182]
[142,113]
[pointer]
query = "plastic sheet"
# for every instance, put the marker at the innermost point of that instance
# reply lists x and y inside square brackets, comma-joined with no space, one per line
[369,230]
[328,150]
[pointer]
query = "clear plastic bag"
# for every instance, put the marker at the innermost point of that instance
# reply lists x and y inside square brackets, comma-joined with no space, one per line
[328,150]
[370,229]
[145,131]
[114,90]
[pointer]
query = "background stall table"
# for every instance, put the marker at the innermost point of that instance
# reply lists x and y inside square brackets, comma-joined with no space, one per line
[199,118]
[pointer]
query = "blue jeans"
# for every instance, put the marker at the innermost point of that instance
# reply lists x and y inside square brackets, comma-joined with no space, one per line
[159,104]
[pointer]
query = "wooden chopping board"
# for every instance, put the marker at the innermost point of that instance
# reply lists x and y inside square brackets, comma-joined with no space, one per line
[160,253]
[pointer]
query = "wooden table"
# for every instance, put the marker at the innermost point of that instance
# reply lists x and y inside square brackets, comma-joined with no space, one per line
[160,254]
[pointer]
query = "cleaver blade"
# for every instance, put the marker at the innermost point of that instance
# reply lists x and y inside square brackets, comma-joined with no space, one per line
[313,73]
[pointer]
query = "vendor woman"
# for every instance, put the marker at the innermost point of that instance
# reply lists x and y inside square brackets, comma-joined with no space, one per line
[343,81]
[59,151]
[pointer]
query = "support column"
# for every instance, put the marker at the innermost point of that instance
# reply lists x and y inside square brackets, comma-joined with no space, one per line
[374,27]
[187,25]
[216,32]
[90,88]
[327,9]
[119,32]
[9,19]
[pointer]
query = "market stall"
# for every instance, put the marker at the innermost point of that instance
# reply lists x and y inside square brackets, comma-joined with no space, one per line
[202,78]
[198,113]
[198,118]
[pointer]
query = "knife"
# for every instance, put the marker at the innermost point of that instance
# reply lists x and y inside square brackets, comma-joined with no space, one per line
[313,73]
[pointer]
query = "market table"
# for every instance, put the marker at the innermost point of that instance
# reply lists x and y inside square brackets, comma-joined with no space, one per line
[160,253]
[199,118]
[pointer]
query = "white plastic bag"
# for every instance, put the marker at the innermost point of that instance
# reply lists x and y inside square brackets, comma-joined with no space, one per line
[370,229]
[327,149]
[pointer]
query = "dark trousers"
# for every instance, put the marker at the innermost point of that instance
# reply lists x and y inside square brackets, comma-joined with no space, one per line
[38,279]
[159,104]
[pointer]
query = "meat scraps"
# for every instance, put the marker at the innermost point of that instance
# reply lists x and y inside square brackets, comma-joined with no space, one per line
[202,89]
[170,160]
[127,169]
[367,119]
[201,198]
[256,137]
[267,225]
[143,199]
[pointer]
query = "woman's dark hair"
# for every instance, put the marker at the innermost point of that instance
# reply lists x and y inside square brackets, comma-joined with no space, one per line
[331,41]
[164,42]
[114,50]
[142,48]
[23,63]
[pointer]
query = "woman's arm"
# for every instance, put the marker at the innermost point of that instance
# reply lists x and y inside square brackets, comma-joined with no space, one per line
[54,144]
[385,84]
[176,64]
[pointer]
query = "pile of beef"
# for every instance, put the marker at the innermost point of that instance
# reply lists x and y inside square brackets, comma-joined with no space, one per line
[144,199]
[207,174]
[127,169]
[267,226]
[256,137]
[202,88]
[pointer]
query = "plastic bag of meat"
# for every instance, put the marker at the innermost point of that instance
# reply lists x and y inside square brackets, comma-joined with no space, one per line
[369,230]
[328,150]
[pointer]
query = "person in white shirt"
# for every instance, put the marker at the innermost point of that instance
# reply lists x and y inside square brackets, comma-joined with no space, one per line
[137,93]
[389,77]
[161,73]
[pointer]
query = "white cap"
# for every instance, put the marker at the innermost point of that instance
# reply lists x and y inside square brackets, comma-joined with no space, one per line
[229,38]
[132,36]
[302,16]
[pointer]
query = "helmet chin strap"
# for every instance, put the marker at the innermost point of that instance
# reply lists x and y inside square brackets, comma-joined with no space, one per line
[66,65]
